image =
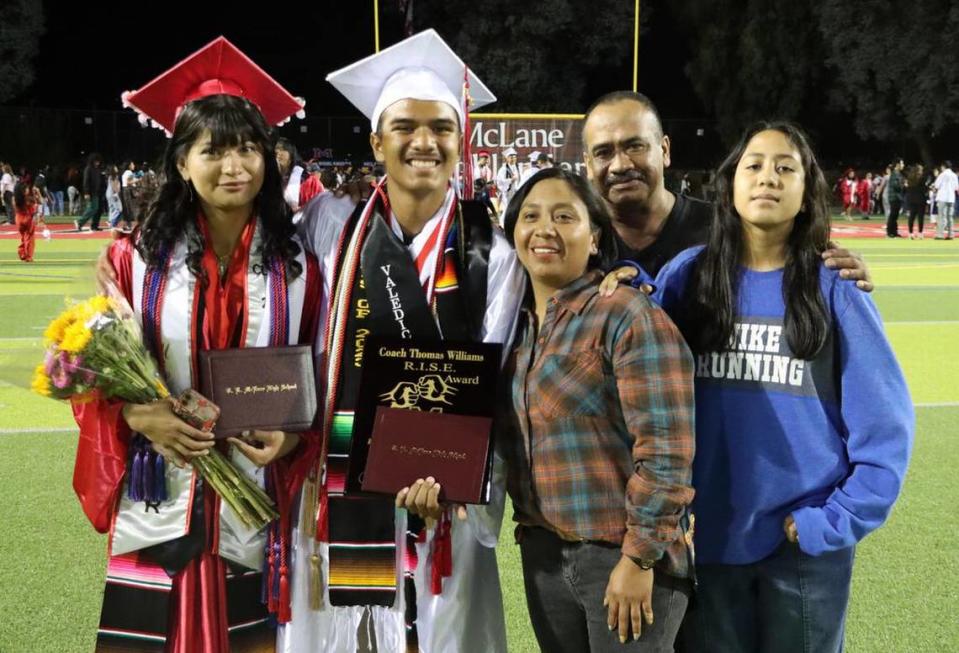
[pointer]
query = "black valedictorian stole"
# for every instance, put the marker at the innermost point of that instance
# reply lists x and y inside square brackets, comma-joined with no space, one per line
[387,299]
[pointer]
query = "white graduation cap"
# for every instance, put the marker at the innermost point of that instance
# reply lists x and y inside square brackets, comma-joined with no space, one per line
[534,156]
[422,67]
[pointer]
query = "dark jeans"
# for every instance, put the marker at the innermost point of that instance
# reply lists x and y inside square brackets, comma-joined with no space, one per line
[892,222]
[916,212]
[565,586]
[91,213]
[128,203]
[8,204]
[789,602]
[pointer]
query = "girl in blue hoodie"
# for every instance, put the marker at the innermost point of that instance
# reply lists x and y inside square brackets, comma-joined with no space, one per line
[804,424]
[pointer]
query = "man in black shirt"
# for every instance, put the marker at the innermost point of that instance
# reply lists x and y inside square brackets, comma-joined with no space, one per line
[626,153]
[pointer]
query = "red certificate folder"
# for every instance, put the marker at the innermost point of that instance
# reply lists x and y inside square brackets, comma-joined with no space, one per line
[411,444]
[264,388]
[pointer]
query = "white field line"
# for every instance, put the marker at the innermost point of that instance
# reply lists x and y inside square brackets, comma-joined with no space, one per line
[918,322]
[41,430]
[60,294]
[930,266]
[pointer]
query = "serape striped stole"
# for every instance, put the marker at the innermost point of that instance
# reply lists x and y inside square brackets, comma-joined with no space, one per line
[361,530]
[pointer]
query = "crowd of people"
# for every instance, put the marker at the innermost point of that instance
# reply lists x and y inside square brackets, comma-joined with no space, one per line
[911,190]
[751,410]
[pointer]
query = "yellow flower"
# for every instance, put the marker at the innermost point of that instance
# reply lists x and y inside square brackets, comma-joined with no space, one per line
[99,304]
[54,331]
[41,382]
[76,337]
[84,311]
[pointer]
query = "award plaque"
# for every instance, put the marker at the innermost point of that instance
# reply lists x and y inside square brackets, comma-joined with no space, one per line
[425,409]
[264,388]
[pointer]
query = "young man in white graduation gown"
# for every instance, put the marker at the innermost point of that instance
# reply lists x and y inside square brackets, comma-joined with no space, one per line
[456,278]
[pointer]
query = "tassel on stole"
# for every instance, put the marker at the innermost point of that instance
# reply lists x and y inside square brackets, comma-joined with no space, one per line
[316,582]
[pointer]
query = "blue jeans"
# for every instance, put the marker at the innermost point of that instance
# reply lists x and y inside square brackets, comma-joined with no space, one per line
[944,222]
[789,602]
[565,587]
[56,197]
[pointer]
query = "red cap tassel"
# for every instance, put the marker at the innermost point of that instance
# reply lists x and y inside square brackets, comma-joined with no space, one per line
[446,559]
[322,516]
[271,571]
[442,554]
[284,613]
[467,138]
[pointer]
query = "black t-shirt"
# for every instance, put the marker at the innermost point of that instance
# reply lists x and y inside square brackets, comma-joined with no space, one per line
[686,225]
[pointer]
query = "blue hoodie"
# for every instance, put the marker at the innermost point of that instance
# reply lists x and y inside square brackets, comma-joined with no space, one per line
[826,440]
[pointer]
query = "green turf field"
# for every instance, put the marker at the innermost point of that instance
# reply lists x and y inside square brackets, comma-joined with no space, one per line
[906,584]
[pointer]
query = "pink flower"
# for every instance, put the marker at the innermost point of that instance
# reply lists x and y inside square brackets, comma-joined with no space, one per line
[60,378]
[49,360]
[68,363]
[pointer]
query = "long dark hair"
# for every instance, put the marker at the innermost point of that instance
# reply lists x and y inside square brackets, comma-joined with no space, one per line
[709,321]
[172,215]
[21,192]
[595,207]
[287,146]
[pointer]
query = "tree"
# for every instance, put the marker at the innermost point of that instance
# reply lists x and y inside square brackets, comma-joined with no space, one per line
[895,66]
[548,50]
[752,59]
[21,24]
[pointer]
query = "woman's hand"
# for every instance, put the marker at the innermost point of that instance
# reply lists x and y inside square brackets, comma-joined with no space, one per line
[629,594]
[792,533]
[263,447]
[173,438]
[423,499]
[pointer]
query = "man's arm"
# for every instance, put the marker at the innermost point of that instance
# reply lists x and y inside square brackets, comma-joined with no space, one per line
[850,264]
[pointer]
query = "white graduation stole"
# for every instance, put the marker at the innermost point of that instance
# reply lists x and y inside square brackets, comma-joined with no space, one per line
[138,525]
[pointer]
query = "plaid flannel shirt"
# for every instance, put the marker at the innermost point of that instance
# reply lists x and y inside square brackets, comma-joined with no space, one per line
[598,432]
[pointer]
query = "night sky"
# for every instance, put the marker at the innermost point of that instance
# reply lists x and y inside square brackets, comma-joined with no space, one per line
[89,56]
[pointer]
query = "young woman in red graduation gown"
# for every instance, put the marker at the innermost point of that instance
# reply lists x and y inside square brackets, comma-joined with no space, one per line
[215,266]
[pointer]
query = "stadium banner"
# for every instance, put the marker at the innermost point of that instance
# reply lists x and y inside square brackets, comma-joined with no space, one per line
[557,135]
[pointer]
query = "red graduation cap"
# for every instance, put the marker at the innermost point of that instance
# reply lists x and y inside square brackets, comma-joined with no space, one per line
[218,67]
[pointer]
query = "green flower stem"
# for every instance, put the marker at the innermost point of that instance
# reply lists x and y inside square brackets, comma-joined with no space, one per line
[250,491]
[222,488]
[244,496]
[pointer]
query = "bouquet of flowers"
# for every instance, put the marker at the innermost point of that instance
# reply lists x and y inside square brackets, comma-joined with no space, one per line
[95,349]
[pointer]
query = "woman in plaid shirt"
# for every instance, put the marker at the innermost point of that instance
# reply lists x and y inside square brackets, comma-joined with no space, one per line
[597,435]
